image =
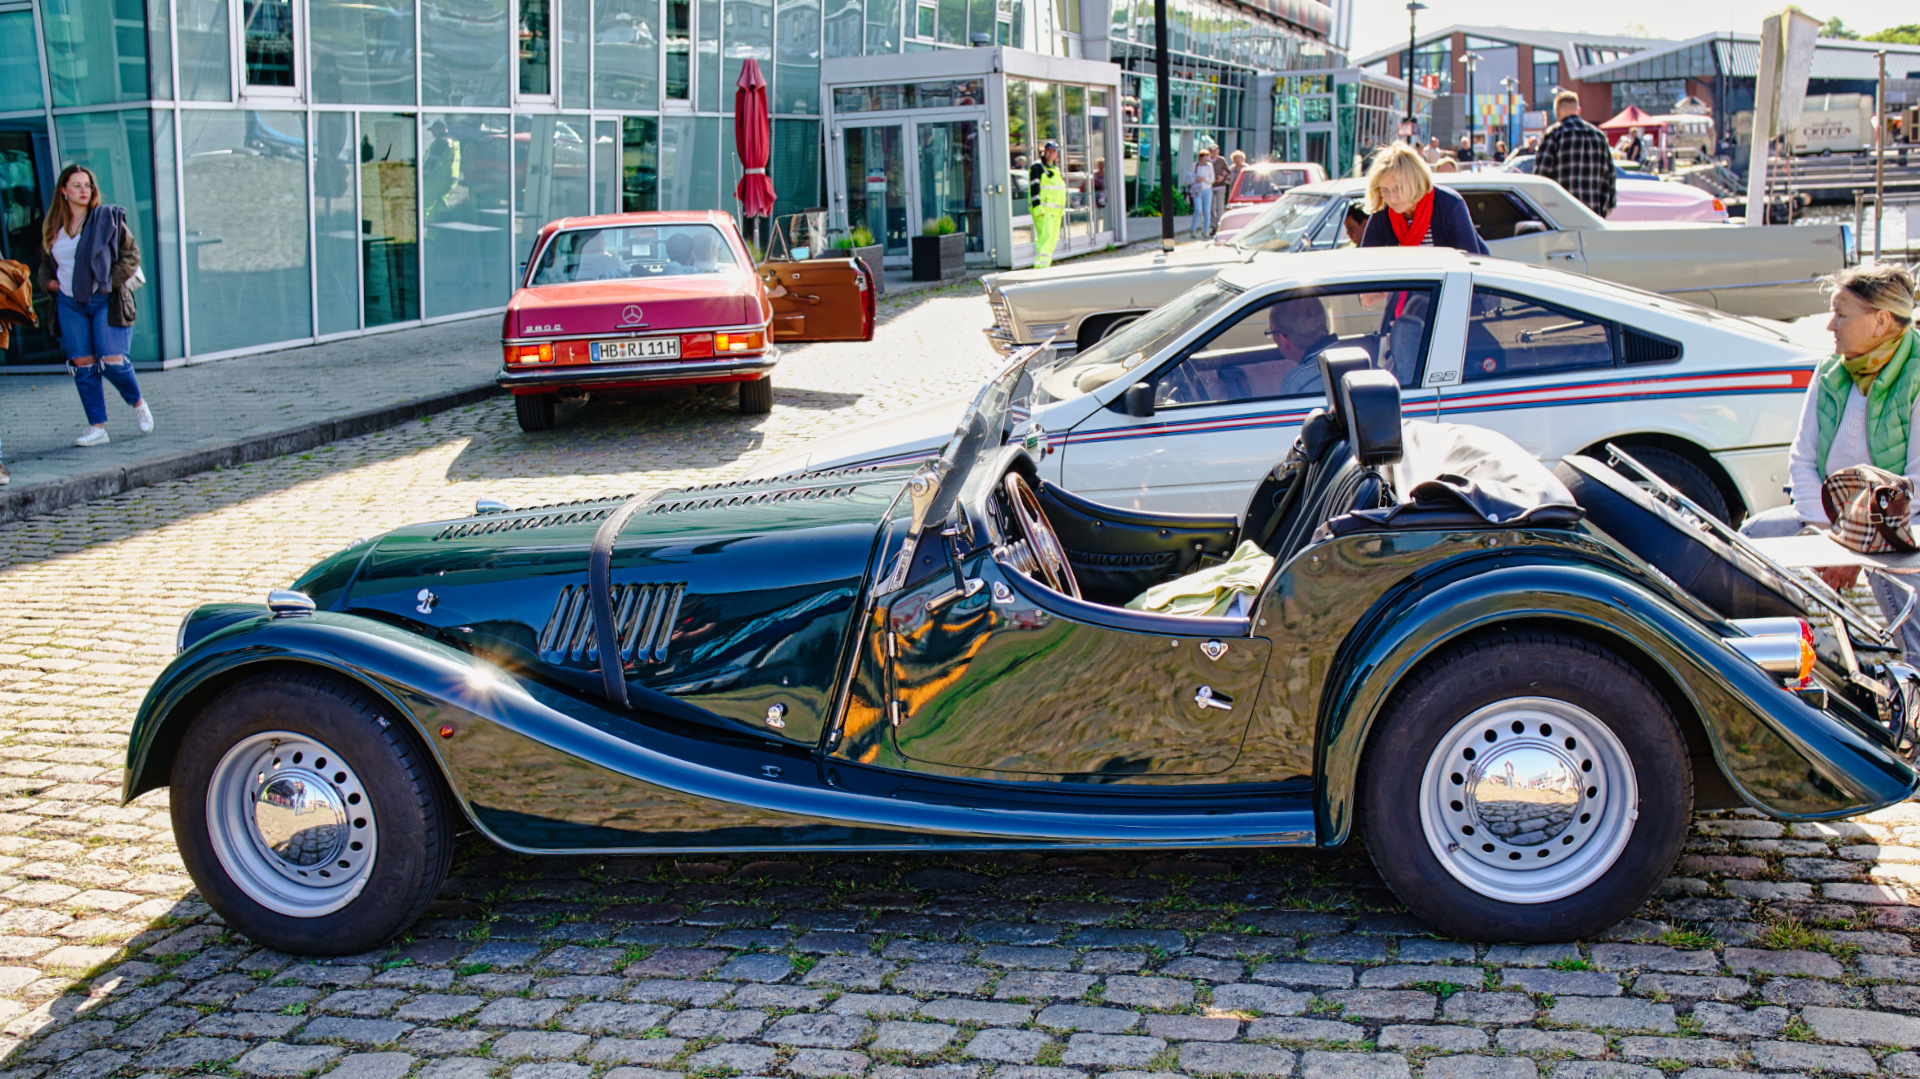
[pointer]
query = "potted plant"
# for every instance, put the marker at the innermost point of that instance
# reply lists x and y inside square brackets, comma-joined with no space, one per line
[940,251]
[859,243]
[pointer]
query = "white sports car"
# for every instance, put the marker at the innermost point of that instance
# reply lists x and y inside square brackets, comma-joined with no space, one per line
[1186,409]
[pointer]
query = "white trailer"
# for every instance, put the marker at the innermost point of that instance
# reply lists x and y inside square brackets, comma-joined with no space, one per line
[1834,123]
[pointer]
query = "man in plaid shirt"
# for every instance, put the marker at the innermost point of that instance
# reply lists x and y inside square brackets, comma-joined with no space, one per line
[1575,155]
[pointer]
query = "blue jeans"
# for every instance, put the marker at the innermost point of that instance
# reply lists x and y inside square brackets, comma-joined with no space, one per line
[1785,521]
[84,332]
[1202,210]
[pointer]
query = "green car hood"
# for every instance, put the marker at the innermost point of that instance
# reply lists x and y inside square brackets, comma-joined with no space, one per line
[731,599]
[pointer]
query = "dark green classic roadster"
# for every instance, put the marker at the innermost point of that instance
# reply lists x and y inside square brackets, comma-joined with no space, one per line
[1519,683]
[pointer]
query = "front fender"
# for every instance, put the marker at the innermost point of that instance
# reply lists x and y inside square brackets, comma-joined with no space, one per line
[410,672]
[1782,756]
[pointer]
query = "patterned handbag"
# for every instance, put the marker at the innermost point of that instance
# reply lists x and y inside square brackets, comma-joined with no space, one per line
[1871,509]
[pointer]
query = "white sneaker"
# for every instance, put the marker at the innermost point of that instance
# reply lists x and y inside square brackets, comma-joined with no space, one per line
[143,416]
[93,436]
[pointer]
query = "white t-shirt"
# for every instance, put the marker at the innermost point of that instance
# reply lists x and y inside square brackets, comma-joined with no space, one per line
[64,247]
[1849,448]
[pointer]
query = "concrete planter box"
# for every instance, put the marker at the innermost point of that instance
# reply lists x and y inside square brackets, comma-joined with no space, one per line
[937,258]
[874,256]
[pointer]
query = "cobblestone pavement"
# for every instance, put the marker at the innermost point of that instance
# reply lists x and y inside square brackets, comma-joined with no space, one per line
[1777,950]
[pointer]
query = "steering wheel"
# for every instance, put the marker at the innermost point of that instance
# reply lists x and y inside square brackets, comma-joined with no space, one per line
[1048,554]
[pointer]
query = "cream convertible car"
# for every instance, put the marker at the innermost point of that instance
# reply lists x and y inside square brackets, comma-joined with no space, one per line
[1184,410]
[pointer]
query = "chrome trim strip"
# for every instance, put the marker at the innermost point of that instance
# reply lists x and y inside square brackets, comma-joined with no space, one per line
[1729,288]
[764,327]
[581,374]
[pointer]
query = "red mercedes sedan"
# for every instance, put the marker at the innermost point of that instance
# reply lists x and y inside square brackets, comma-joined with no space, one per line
[621,303]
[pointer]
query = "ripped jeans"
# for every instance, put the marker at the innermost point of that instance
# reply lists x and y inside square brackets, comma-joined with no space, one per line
[84,331]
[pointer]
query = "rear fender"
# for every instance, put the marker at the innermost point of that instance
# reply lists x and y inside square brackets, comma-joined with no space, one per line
[1782,756]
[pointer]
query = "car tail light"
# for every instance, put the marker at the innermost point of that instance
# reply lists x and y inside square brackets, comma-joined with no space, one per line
[541,353]
[1719,207]
[696,346]
[738,341]
[1780,646]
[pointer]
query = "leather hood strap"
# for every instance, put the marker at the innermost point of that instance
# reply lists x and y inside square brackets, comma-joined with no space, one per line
[606,636]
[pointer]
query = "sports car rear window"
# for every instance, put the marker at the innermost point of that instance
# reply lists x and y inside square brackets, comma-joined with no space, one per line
[612,252]
[1283,222]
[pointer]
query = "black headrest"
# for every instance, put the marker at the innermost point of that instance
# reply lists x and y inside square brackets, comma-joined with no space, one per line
[1335,363]
[1371,400]
[1317,434]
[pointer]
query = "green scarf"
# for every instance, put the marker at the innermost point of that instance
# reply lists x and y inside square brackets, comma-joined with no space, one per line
[1894,384]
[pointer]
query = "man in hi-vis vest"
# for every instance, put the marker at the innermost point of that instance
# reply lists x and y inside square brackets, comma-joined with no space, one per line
[1049,197]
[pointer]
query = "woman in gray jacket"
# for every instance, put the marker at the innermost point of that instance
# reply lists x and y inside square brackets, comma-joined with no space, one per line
[89,261]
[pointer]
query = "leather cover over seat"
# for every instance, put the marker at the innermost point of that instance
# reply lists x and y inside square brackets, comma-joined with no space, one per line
[1457,476]
[1371,402]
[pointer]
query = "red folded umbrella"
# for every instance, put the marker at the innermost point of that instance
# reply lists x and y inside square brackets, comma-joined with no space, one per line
[753,140]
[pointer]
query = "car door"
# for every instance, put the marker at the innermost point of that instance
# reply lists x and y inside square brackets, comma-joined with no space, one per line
[1514,228]
[1020,683]
[819,300]
[1228,405]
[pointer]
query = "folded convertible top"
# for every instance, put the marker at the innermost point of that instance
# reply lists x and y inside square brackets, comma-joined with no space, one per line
[1455,475]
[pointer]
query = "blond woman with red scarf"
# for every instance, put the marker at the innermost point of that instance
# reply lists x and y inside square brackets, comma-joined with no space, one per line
[1409,211]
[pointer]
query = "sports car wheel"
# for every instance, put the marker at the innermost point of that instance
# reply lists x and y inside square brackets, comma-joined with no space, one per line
[756,397]
[309,819]
[534,411]
[1553,789]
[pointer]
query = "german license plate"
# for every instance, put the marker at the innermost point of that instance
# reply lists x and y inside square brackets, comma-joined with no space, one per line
[644,348]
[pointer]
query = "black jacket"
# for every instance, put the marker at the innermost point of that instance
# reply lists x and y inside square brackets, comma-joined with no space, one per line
[1451,226]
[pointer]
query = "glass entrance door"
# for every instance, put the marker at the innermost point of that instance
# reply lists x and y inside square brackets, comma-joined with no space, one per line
[26,185]
[949,178]
[876,184]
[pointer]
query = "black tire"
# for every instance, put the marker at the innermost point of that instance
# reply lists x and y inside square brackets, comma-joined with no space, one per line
[1100,327]
[1483,676]
[409,809]
[1684,476]
[756,397]
[534,411]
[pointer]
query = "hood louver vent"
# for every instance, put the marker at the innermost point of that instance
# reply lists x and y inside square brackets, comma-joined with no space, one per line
[496,523]
[791,477]
[760,498]
[644,613]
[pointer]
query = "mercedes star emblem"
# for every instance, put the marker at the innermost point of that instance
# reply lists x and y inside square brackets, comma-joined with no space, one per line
[630,315]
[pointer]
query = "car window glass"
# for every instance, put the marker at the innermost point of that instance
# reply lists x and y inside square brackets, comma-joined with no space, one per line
[1332,232]
[1283,222]
[601,254]
[1497,215]
[1132,345]
[1272,349]
[1513,337]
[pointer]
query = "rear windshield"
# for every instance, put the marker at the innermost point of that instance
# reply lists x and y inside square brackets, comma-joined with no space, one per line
[601,254]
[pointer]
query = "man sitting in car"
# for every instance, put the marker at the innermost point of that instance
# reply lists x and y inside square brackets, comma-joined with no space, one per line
[1300,333]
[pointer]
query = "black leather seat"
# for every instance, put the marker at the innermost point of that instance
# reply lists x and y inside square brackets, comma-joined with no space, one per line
[1272,512]
[1371,401]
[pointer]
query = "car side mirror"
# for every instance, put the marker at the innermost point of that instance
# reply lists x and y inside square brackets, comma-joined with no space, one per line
[1138,400]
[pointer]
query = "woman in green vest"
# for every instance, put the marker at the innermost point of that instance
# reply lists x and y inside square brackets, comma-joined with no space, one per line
[1859,410]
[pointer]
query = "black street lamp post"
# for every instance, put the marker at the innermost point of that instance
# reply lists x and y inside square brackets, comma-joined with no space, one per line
[1472,59]
[1162,100]
[1413,10]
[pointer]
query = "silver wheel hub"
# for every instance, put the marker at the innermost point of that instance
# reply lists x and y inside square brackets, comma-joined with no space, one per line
[291,824]
[1528,800]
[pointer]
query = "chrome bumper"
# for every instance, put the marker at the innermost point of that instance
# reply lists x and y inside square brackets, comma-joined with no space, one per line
[601,374]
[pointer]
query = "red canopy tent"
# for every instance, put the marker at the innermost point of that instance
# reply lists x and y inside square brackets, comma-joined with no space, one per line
[753,141]
[1631,117]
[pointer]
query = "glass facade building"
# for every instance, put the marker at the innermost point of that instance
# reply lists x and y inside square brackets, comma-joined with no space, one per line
[298,170]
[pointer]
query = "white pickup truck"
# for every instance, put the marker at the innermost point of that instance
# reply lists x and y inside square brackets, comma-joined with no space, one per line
[1771,271]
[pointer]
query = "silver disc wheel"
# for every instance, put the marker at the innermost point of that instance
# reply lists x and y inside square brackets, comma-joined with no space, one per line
[1528,800]
[291,824]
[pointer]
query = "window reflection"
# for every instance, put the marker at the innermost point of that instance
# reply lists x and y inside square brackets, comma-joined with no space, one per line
[336,255]
[269,42]
[626,53]
[639,164]
[19,66]
[389,218]
[536,56]
[679,49]
[96,51]
[796,83]
[550,175]
[206,53]
[362,53]
[245,181]
[464,46]
[466,253]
